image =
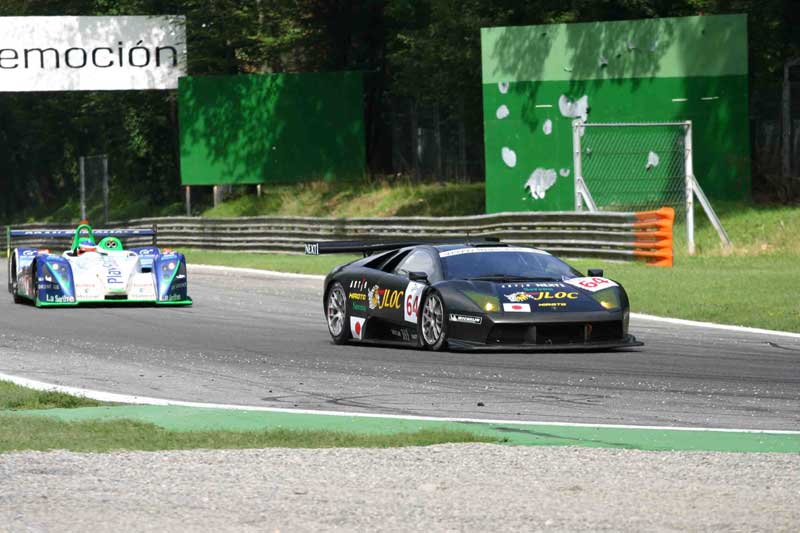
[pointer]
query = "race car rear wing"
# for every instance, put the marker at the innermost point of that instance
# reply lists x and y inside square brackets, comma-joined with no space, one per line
[370,247]
[39,235]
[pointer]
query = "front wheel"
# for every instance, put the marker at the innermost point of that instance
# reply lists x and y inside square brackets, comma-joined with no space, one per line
[11,273]
[336,314]
[433,324]
[13,284]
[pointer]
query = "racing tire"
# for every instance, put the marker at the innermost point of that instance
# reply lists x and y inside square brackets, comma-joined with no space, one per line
[35,275]
[337,313]
[433,322]
[12,280]
[12,273]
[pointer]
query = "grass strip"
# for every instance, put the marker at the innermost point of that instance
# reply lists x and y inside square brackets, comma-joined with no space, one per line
[299,264]
[16,397]
[417,432]
[22,429]
[46,433]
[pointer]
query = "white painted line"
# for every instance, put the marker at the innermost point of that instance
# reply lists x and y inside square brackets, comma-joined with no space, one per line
[712,325]
[544,105]
[680,99]
[640,316]
[146,400]
[257,271]
[706,98]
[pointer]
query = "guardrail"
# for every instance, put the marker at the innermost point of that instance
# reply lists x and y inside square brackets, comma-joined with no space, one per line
[644,235]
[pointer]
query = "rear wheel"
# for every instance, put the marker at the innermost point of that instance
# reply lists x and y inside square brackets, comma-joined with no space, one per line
[337,314]
[433,325]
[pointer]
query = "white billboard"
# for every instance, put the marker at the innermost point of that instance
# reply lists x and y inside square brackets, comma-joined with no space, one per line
[91,53]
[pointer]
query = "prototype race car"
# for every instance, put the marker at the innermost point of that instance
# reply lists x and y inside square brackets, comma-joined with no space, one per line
[470,296]
[95,272]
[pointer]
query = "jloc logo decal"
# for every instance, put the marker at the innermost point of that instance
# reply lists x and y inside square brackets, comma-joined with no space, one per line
[414,292]
[384,298]
[357,327]
[537,295]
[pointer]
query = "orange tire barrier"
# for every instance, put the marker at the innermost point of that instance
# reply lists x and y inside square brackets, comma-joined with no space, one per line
[653,236]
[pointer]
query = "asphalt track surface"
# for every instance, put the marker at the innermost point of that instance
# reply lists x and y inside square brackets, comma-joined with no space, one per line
[262,341]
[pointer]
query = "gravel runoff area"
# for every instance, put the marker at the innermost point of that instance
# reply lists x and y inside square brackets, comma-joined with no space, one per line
[473,487]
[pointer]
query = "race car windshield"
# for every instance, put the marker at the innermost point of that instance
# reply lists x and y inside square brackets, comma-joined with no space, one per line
[505,265]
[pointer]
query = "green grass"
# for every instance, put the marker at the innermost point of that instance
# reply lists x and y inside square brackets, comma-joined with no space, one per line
[43,433]
[754,229]
[358,199]
[747,291]
[15,397]
[302,264]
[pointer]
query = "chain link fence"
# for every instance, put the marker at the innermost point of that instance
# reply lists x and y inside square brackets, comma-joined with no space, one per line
[634,167]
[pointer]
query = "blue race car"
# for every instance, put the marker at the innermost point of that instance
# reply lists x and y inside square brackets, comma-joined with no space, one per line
[92,271]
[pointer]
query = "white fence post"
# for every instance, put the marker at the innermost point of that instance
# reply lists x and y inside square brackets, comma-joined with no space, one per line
[689,192]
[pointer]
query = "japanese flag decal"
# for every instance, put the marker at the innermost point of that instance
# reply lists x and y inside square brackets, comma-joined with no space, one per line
[357,327]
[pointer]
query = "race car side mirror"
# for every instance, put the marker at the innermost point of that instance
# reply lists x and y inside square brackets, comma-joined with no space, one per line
[595,273]
[418,276]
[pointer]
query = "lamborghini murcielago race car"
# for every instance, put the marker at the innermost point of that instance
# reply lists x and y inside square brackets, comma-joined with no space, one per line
[464,296]
[95,272]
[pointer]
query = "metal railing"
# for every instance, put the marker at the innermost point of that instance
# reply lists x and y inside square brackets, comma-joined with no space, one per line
[602,234]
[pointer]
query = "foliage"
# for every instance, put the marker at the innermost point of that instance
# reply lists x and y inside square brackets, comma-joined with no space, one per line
[358,199]
[427,51]
[16,397]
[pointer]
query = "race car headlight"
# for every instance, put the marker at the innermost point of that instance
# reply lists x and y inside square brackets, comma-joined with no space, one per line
[486,302]
[608,298]
[60,272]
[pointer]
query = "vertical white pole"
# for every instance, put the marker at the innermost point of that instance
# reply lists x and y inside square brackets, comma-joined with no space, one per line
[258,190]
[689,167]
[576,161]
[83,190]
[105,189]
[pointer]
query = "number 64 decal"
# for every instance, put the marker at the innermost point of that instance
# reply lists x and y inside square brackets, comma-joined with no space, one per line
[413,294]
[592,284]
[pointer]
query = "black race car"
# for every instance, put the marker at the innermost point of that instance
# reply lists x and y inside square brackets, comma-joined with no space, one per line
[470,296]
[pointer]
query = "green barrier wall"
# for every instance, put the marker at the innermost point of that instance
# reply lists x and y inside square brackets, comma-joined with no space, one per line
[274,128]
[672,69]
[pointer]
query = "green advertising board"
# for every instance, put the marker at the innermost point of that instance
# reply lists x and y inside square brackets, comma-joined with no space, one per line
[272,128]
[538,79]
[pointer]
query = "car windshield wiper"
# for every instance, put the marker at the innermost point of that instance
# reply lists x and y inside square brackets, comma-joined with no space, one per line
[510,277]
